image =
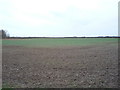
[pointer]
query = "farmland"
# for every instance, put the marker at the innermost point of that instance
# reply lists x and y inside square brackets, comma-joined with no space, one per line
[56,42]
[60,62]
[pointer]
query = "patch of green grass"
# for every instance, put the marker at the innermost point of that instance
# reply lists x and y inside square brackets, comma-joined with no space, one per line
[58,42]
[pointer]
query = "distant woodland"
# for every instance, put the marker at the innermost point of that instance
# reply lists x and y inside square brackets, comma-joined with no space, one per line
[4,34]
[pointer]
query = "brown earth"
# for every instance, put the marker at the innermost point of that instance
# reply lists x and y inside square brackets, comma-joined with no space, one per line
[67,67]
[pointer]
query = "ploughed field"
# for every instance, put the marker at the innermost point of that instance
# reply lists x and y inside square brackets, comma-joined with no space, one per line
[60,63]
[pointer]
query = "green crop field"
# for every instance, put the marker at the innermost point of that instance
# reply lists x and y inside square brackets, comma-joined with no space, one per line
[56,42]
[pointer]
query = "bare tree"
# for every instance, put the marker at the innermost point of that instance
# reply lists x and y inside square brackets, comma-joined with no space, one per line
[4,34]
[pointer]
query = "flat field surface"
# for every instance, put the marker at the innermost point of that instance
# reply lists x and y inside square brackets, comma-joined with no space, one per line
[57,42]
[68,63]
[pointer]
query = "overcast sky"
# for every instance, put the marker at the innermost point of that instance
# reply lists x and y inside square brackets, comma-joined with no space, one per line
[59,17]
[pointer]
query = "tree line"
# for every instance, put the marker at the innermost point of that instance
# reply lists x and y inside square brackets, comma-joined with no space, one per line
[4,34]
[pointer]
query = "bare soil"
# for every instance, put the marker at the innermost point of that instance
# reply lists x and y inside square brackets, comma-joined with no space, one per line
[67,67]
